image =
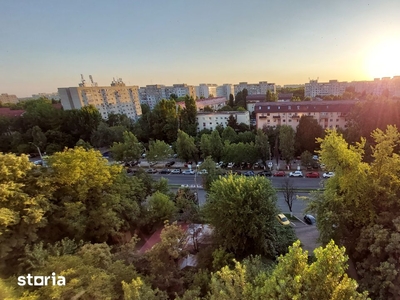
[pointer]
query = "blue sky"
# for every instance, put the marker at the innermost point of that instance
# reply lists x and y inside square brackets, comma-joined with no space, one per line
[47,44]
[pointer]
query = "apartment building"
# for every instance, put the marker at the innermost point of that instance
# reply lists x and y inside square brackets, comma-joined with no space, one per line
[255,88]
[117,98]
[214,103]
[333,87]
[152,94]
[206,90]
[225,90]
[210,120]
[329,114]
[377,87]
[6,98]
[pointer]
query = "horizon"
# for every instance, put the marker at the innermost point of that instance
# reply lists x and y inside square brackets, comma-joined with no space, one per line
[50,44]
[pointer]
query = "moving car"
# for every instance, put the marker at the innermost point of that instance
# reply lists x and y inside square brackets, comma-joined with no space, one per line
[248,173]
[165,171]
[265,173]
[188,172]
[309,219]
[328,174]
[151,171]
[280,174]
[312,175]
[296,174]
[282,219]
[176,171]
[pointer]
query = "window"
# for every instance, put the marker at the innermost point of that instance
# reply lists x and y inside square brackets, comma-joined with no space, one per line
[279,107]
[267,114]
[331,120]
[268,107]
[289,107]
[290,120]
[337,120]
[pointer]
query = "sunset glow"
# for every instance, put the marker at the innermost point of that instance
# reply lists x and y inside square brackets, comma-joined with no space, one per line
[384,59]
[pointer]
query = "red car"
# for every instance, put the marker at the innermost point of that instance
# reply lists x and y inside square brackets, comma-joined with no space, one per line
[312,175]
[280,174]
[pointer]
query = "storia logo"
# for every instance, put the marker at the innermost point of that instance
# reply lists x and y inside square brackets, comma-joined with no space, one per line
[41,280]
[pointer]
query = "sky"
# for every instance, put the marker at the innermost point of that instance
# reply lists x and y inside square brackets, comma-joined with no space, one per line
[47,44]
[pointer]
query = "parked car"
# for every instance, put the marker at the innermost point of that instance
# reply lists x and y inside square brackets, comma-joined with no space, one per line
[165,171]
[176,171]
[151,171]
[282,219]
[152,164]
[265,173]
[280,174]
[328,174]
[169,164]
[248,173]
[296,174]
[188,172]
[230,165]
[315,157]
[202,172]
[309,219]
[312,175]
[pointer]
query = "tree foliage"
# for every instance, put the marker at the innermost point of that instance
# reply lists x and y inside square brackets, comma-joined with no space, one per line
[128,150]
[185,146]
[307,133]
[286,142]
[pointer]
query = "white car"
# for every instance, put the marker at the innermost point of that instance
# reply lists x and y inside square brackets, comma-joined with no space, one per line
[230,165]
[296,174]
[328,174]
[188,172]
[202,172]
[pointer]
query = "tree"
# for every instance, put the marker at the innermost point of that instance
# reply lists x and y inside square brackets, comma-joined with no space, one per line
[306,158]
[163,121]
[232,122]
[129,150]
[286,142]
[231,101]
[216,145]
[212,172]
[160,208]
[23,207]
[229,135]
[307,133]
[158,151]
[83,144]
[92,200]
[205,145]
[39,138]
[271,97]
[186,203]
[243,213]
[288,193]
[208,109]
[262,146]
[188,117]
[185,146]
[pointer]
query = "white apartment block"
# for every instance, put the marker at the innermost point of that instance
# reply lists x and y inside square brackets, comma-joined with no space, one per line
[225,90]
[117,98]
[206,90]
[376,87]
[210,120]
[6,98]
[215,103]
[255,88]
[152,94]
[329,114]
[333,87]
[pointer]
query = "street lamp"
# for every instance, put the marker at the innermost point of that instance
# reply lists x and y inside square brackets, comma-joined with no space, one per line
[40,153]
[197,189]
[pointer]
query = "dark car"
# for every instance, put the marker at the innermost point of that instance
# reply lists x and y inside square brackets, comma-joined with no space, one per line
[309,219]
[131,171]
[280,174]
[165,171]
[265,173]
[312,175]
[169,164]
[248,173]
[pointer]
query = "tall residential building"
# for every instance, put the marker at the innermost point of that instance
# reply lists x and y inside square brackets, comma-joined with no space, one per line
[6,98]
[180,90]
[152,94]
[255,88]
[206,90]
[333,87]
[117,98]
[214,103]
[225,90]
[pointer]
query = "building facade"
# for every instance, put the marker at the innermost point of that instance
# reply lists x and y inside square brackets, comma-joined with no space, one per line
[210,120]
[215,103]
[206,90]
[117,98]
[152,94]
[329,114]
[255,88]
[225,90]
[333,87]
[6,98]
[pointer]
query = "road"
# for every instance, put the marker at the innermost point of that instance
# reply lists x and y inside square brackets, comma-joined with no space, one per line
[301,183]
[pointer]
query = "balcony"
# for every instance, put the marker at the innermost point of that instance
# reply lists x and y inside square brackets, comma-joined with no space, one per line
[276,117]
[262,117]
[294,116]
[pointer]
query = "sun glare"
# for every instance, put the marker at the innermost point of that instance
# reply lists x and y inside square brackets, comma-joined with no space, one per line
[384,59]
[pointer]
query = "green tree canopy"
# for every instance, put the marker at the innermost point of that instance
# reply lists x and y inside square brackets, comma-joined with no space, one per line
[185,146]
[128,150]
[286,142]
[307,133]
